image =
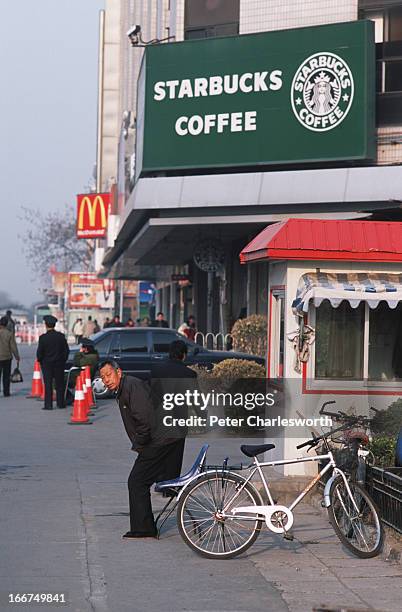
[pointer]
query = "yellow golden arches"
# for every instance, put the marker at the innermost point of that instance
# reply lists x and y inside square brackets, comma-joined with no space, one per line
[92,207]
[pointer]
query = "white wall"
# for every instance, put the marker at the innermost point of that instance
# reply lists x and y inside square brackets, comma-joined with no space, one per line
[263,15]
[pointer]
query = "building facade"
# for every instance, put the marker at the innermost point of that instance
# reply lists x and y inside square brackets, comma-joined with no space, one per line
[183,228]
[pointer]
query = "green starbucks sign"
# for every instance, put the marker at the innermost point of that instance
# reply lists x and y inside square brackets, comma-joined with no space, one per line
[285,97]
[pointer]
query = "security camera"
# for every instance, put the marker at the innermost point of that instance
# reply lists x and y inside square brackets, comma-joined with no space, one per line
[134,34]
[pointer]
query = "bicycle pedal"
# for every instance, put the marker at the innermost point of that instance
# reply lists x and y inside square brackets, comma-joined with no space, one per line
[288,536]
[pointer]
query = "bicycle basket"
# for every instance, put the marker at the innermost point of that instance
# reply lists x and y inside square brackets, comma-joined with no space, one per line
[345,458]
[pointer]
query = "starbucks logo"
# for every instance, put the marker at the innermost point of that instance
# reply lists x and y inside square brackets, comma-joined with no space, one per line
[322,92]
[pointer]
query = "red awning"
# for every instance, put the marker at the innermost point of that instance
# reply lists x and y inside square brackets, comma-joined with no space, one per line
[309,239]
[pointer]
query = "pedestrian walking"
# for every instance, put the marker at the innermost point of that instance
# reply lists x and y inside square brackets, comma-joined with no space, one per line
[96,326]
[10,321]
[106,323]
[157,455]
[160,321]
[89,328]
[78,330]
[52,355]
[130,323]
[8,350]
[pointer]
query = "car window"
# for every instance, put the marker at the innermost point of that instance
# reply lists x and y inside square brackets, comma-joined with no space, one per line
[115,347]
[133,342]
[102,346]
[162,341]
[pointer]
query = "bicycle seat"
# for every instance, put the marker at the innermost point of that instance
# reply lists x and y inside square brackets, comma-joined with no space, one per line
[252,450]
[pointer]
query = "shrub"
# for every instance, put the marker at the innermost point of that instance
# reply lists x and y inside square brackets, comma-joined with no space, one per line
[250,335]
[231,370]
[383,449]
[224,374]
[388,422]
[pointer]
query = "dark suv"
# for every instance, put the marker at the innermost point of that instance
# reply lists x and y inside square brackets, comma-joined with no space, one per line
[137,350]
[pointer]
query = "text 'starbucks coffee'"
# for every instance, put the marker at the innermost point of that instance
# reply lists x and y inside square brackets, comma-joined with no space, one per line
[295,96]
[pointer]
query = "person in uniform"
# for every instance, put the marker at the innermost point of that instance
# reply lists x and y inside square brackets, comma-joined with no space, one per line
[52,355]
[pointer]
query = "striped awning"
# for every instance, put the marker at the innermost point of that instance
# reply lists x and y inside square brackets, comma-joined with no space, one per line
[354,287]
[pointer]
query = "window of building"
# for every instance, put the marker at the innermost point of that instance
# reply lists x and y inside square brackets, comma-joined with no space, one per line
[358,343]
[393,75]
[385,343]
[395,23]
[388,33]
[339,341]
[208,18]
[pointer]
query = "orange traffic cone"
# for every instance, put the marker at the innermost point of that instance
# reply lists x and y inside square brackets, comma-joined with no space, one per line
[86,394]
[79,415]
[88,384]
[37,387]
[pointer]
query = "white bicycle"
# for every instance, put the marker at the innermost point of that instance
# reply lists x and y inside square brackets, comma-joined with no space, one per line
[220,513]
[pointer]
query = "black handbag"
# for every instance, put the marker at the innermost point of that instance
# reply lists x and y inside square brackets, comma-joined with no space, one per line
[16,376]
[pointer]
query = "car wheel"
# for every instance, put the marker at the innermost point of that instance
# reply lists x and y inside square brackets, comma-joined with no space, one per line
[99,388]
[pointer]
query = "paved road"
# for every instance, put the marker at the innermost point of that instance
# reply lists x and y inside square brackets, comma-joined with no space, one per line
[63,508]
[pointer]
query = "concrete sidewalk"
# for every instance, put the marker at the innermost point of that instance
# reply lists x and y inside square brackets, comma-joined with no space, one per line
[63,508]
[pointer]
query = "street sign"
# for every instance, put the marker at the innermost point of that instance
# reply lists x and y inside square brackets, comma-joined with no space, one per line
[294,96]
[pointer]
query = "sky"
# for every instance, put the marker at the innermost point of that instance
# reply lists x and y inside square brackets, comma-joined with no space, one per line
[48,59]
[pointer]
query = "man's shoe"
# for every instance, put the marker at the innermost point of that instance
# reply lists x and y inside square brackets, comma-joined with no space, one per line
[61,407]
[45,408]
[132,535]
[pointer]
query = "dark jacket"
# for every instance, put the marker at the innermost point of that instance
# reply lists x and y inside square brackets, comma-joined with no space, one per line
[169,378]
[172,368]
[162,323]
[139,415]
[52,348]
[83,359]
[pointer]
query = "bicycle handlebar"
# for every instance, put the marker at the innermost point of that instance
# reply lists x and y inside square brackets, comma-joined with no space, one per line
[326,404]
[308,443]
[342,416]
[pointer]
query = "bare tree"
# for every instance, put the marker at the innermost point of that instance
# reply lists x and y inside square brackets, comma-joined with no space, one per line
[50,239]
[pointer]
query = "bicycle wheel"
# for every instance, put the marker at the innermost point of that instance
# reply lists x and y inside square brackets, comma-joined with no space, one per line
[359,530]
[202,527]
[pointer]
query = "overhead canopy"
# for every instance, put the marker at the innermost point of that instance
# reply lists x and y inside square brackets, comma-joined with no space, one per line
[322,239]
[354,287]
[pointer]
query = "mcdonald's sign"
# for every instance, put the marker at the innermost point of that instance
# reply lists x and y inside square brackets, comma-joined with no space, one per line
[92,214]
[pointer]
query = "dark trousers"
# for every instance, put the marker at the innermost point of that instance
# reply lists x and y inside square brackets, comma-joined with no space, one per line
[53,371]
[152,465]
[5,371]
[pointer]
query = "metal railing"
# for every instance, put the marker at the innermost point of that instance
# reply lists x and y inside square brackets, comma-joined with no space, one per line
[219,341]
[385,487]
